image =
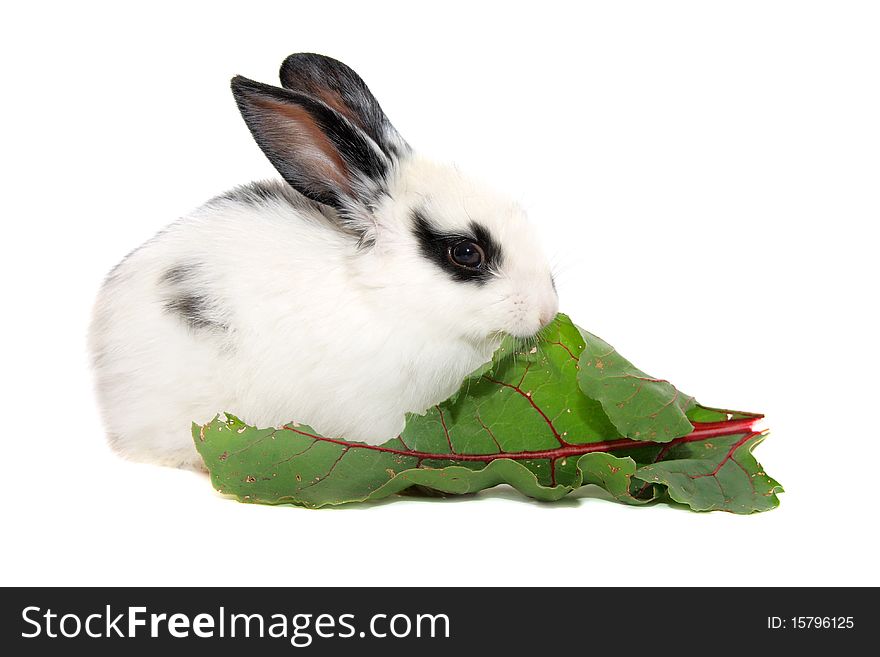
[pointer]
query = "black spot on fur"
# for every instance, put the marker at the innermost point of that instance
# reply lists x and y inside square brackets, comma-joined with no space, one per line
[179,274]
[196,311]
[252,194]
[435,246]
[262,193]
[266,192]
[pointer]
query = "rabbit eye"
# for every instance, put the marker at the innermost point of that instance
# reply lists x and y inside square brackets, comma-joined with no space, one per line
[468,254]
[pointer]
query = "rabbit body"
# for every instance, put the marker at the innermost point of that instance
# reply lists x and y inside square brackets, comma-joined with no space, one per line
[342,309]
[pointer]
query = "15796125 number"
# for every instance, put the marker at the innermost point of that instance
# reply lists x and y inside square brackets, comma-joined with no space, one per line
[810,622]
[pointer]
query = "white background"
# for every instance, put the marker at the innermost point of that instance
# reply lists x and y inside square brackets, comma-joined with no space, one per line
[705,175]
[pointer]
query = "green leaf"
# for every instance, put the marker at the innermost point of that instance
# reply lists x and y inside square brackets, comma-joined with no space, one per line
[640,406]
[523,419]
[718,474]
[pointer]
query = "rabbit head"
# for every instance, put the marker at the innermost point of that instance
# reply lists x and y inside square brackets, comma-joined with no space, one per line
[433,246]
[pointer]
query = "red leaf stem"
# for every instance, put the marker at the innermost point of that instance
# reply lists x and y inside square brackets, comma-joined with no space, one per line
[702,431]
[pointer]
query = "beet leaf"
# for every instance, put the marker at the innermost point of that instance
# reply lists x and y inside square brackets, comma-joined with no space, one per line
[546,420]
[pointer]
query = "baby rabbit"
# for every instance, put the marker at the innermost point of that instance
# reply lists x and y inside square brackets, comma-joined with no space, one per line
[364,285]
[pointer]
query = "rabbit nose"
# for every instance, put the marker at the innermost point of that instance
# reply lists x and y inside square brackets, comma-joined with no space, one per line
[548,311]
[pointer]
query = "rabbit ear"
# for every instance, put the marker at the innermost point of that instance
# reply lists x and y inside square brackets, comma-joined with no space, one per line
[339,87]
[318,151]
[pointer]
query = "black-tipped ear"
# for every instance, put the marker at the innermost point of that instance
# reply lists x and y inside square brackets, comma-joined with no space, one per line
[339,87]
[320,153]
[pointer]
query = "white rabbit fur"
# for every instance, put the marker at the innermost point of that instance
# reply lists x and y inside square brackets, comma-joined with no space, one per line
[269,305]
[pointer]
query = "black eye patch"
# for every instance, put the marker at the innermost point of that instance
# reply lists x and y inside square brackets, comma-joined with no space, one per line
[469,256]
